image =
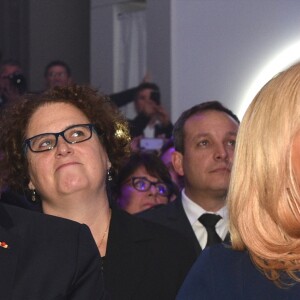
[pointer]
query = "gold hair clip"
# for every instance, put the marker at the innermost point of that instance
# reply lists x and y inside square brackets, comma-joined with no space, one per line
[3,245]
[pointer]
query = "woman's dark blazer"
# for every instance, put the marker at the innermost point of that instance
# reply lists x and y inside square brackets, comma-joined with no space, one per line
[144,260]
[222,273]
[47,258]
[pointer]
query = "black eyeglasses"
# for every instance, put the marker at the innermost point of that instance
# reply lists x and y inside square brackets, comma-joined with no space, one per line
[47,141]
[142,184]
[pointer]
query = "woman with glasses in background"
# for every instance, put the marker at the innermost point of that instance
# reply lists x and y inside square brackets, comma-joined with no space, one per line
[65,146]
[144,182]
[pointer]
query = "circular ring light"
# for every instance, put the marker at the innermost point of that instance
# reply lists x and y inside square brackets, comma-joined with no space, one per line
[279,62]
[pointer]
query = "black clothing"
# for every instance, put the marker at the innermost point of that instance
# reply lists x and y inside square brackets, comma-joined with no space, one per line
[47,258]
[172,215]
[140,122]
[144,260]
[124,97]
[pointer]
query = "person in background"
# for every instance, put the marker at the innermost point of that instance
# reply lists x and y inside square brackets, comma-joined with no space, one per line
[165,155]
[263,199]
[152,120]
[143,182]
[12,82]
[151,116]
[204,138]
[57,73]
[65,145]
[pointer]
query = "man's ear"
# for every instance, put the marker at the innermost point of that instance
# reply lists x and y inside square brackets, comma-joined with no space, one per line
[177,158]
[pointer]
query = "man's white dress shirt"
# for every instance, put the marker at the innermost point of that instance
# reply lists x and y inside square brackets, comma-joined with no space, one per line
[194,212]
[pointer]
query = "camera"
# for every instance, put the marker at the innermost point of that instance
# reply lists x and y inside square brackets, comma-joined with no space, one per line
[18,81]
[155,96]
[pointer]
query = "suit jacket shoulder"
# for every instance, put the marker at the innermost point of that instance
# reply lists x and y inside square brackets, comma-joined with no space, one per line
[173,216]
[144,260]
[47,257]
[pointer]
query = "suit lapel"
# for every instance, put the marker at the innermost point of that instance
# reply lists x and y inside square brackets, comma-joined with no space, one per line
[179,221]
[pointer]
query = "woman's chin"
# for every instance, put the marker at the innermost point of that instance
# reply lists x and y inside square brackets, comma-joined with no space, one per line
[71,187]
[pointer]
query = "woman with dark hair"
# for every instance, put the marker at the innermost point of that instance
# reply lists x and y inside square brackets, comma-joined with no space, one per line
[65,145]
[144,182]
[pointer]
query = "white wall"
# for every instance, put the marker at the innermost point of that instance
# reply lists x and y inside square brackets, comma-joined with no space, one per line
[108,22]
[220,46]
[102,41]
[58,29]
[160,47]
[201,50]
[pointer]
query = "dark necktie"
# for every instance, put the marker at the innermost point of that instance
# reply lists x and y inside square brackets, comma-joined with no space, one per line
[209,221]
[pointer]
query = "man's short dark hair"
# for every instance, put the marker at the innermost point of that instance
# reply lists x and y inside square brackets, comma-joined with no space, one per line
[59,63]
[147,85]
[152,86]
[178,132]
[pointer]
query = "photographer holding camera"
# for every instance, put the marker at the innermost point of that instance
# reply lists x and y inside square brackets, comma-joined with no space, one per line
[152,124]
[12,82]
[152,120]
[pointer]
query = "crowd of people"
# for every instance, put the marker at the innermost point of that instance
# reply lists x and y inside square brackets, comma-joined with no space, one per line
[209,208]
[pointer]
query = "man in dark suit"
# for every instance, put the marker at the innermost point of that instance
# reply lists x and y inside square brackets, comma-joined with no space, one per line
[45,257]
[204,138]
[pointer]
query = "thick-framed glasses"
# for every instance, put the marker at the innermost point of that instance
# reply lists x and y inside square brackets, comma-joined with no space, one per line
[142,184]
[47,141]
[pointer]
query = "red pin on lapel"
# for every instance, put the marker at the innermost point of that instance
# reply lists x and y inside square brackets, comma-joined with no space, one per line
[3,245]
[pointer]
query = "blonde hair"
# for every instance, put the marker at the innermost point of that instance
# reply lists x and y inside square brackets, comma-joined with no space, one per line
[264,197]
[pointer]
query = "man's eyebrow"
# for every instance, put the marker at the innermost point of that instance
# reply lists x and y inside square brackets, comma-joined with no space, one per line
[232,133]
[202,134]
